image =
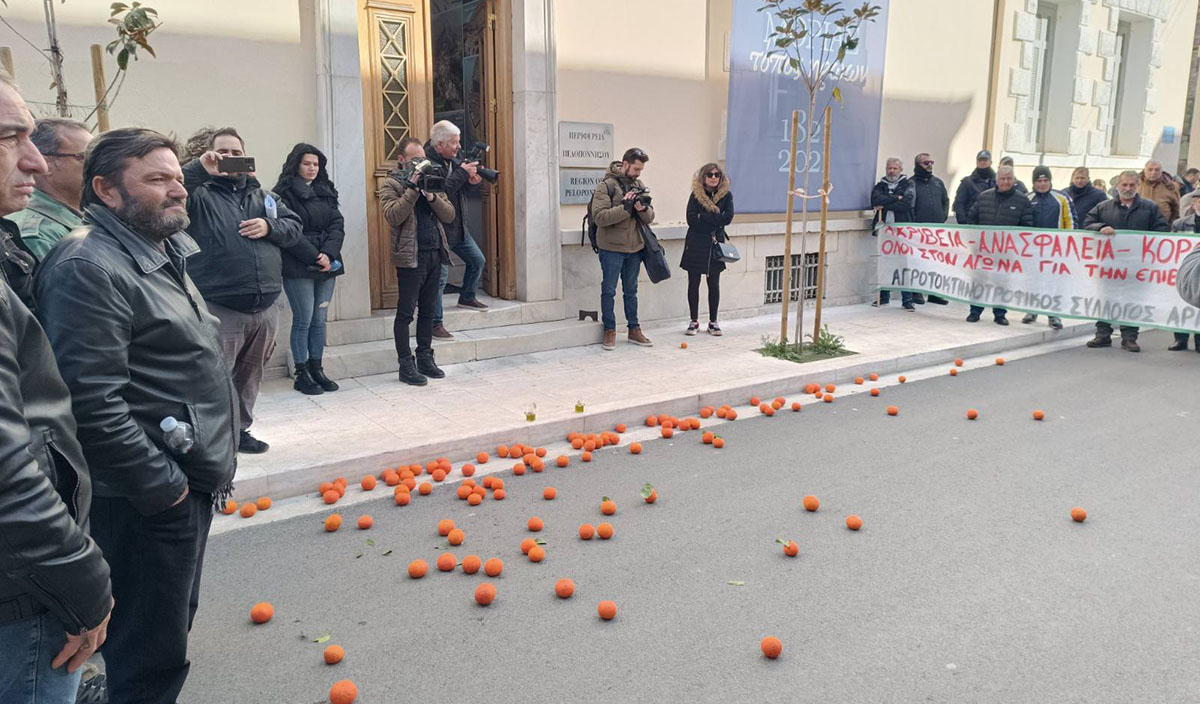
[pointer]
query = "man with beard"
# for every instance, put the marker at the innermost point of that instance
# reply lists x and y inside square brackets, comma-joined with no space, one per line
[136,345]
[932,205]
[241,229]
[892,198]
[981,179]
[1083,193]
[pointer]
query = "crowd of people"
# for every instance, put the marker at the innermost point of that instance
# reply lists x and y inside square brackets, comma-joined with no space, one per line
[1151,201]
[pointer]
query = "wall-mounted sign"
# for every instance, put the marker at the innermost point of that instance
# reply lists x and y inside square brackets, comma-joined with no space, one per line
[585,144]
[576,186]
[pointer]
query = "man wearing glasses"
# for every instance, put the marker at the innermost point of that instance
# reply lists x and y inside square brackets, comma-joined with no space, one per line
[932,204]
[53,209]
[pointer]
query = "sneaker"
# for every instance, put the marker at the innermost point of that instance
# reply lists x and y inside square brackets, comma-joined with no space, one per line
[1056,323]
[610,340]
[973,318]
[714,329]
[250,445]
[636,337]
[1001,320]
[909,307]
[1029,318]
[693,328]
[473,304]
[876,304]
[441,333]
[938,300]
[1130,344]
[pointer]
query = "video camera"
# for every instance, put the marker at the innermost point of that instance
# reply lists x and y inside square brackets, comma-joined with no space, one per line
[641,195]
[477,153]
[431,177]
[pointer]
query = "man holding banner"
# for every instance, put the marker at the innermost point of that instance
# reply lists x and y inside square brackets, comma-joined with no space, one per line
[1052,211]
[1128,211]
[1003,206]
[1190,222]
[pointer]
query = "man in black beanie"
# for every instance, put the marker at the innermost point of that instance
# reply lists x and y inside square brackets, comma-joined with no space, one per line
[1051,211]
[932,204]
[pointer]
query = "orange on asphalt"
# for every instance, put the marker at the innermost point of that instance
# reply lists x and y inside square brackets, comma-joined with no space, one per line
[683,345]
[562,460]
[830,388]
[471,564]
[586,531]
[468,470]
[365,522]
[651,421]
[874,392]
[537,554]
[607,506]
[493,567]
[540,452]
[999,361]
[604,530]
[334,654]
[344,692]
[853,522]
[903,379]
[828,398]
[392,479]
[498,495]
[796,406]
[425,489]
[439,475]
[446,562]
[586,456]
[811,503]
[1078,515]
[444,527]
[635,448]
[667,431]
[527,545]
[620,428]
[403,498]
[463,492]
[859,380]
[502,450]
[652,497]
[564,588]
[892,410]
[607,610]
[519,469]
[1038,415]
[972,414]
[332,523]
[771,647]
[791,549]
[262,612]
[474,499]
[754,401]
[535,524]
[549,493]
[485,593]
[456,537]
[873,376]
[707,437]
[953,372]
[718,442]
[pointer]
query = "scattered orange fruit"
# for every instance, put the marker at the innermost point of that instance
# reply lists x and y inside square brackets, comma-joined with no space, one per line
[468,470]
[481,458]
[903,379]
[344,692]
[249,509]
[444,527]
[262,612]
[635,448]
[999,361]
[425,489]
[230,508]
[706,412]
[365,522]
[859,380]
[830,388]
[325,486]
[519,469]
[953,372]
[456,537]
[873,376]
[874,392]
[1078,515]
[607,610]
[540,452]
[586,456]
[485,593]
[972,414]
[652,497]
[651,421]
[586,531]
[667,431]
[332,523]
[331,496]
[498,495]
[620,428]
[463,492]
[537,553]
[853,522]
[707,437]
[417,569]
[471,564]
[392,479]
[796,406]
[446,562]
[502,451]
[790,547]
[604,530]
[564,588]
[368,483]
[334,654]
[718,442]
[828,398]
[892,410]
[754,401]
[1038,415]
[683,345]
[562,461]
[772,647]
[549,493]
[527,545]
[958,362]
[607,506]
[811,503]
[263,503]
[493,567]
[439,475]
[403,498]
[535,524]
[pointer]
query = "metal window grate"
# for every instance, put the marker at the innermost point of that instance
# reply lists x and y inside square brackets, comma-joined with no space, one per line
[773,289]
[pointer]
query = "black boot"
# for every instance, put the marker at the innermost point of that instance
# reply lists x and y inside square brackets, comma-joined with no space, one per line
[317,372]
[409,374]
[427,366]
[305,384]
[1179,344]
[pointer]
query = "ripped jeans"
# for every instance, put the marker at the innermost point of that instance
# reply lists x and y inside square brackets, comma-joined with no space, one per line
[309,299]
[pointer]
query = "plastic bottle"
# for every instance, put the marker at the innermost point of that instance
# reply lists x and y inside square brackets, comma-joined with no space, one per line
[179,436]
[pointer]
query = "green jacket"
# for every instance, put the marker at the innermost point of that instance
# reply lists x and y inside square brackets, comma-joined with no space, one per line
[44,222]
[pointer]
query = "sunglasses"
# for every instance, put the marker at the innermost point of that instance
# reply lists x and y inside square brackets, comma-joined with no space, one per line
[713,174]
[927,164]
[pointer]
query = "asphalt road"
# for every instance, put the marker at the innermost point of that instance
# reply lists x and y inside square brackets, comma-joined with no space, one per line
[968,582]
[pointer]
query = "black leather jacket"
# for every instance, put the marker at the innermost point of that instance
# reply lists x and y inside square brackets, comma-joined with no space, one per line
[16,262]
[47,561]
[135,343]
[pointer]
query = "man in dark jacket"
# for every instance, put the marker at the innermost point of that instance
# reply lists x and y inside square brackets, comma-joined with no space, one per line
[1017,184]
[135,345]
[892,198]
[1001,206]
[979,180]
[1128,211]
[1052,211]
[931,205]
[55,597]
[240,228]
[1190,222]
[1083,194]
[445,141]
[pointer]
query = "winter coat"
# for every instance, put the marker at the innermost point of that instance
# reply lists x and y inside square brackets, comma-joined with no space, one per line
[135,344]
[1142,216]
[317,207]
[44,222]
[969,189]
[1052,210]
[17,263]
[230,270]
[893,201]
[47,561]
[399,200]
[1164,193]
[931,201]
[457,187]
[707,216]
[1187,223]
[1007,209]
[616,229]
[1084,199]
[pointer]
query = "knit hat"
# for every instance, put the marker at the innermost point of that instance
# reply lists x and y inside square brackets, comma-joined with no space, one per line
[1040,171]
[985,154]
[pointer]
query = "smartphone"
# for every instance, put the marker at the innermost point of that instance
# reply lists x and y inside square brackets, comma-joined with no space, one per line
[235,164]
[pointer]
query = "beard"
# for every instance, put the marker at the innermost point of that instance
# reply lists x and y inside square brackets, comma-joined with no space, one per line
[151,219]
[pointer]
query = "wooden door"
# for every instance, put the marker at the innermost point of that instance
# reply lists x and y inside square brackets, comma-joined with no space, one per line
[498,202]
[397,103]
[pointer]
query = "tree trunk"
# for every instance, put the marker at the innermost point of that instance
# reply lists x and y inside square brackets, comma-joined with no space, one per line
[56,61]
[787,266]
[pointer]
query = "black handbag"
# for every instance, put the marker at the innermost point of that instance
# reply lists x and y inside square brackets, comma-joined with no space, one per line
[653,255]
[722,251]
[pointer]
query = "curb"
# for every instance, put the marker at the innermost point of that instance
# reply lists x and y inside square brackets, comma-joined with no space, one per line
[303,480]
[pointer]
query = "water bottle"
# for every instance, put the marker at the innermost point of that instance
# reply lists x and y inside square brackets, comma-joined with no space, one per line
[337,264]
[179,436]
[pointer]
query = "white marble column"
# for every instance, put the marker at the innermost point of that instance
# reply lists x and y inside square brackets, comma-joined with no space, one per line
[340,128]
[535,151]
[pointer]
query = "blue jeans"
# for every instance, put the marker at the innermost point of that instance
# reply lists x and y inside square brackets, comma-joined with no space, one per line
[469,252]
[627,267]
[997,313]
[885,296]
[26,649]
[309,300]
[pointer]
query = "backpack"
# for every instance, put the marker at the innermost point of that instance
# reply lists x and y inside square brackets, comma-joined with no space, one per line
[588,228]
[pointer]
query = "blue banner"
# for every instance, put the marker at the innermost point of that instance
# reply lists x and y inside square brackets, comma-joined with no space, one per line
[763,91]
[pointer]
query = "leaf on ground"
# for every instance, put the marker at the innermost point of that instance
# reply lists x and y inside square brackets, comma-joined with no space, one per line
[539,541]
[370,542]
[736,583]
[647,490]
[321,639]
[387,552]
[358,556]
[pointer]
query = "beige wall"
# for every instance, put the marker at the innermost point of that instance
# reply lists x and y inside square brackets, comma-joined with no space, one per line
[219,62]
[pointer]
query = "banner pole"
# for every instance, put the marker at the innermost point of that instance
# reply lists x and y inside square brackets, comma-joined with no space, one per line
[787,234]
[824,223]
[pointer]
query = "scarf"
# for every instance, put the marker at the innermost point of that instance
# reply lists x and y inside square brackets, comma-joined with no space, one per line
[921,173]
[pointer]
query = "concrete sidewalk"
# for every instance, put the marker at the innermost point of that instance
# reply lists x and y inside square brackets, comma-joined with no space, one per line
[376,422]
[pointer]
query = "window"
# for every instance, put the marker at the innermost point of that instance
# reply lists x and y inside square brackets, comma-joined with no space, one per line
[1039,94]
[1114,108]
[1130,83]
[773,290]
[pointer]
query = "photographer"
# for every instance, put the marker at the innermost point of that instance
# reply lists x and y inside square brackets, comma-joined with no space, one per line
[445,141]
[618,199]
[418,220]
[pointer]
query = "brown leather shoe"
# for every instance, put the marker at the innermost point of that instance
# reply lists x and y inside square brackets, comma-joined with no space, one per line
[610,340]
[637,338]
[1130,344]
[441,333]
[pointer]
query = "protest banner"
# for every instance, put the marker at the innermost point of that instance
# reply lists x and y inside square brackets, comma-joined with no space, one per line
[1128,278]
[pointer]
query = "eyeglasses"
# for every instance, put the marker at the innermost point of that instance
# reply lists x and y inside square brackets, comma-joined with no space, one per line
[63,155]
[927,164]
[713,174]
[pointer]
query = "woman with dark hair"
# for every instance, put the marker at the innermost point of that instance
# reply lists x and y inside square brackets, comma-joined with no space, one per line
[305,188]
[709,210]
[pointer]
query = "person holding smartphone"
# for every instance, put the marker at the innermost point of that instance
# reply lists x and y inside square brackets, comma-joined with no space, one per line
[304,186]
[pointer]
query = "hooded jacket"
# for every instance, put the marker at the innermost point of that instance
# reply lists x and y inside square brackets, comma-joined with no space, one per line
[231,270]
[1164,193]
[323,232]
[135,344]
[1084,199]
[398,200]
[616,228]
[969,189]
[1052,210]
[931,202]
[707,216]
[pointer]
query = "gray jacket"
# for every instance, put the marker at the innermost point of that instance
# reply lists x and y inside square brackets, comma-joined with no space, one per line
[135,343]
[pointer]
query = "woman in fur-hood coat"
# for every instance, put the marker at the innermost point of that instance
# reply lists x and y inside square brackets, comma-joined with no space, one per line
[709,210]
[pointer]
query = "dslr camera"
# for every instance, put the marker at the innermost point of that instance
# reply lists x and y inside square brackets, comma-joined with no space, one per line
[478,153]
[431,177]
[641,195]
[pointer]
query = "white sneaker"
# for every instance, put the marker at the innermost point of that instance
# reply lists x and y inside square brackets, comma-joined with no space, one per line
[693,328]
[714,329]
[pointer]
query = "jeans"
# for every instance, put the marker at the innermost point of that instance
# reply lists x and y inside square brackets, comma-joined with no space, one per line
[156,562]
[885,296]
[309,299]
[248,340]
[418,290]
[626,266]
[469,252]
[714,294]
[1128,332]
[997,313]
[26,649]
